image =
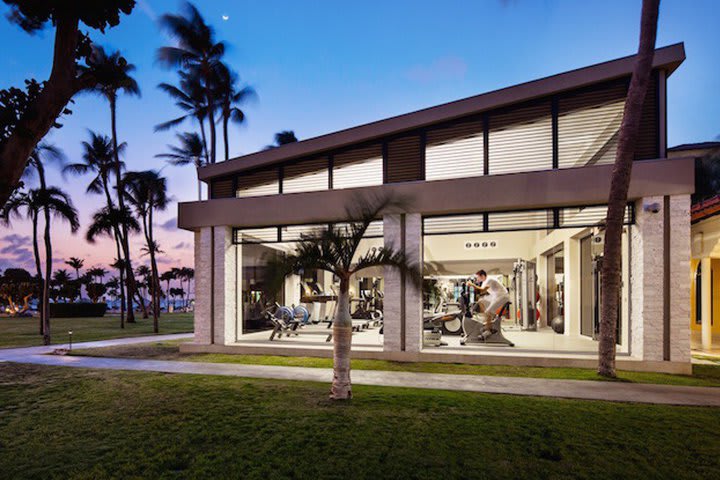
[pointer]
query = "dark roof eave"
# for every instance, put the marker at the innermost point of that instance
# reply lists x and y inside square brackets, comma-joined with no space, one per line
[669,58]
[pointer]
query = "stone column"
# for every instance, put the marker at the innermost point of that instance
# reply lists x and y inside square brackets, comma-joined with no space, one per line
[413,289]
[203,285]
[392,302]
[706,295]
[680,246]
[224,296]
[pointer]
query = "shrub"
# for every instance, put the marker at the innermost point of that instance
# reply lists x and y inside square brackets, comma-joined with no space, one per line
[80,309]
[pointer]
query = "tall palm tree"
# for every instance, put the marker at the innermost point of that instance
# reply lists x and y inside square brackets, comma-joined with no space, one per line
[334,250]
[197,53]
[190,97]
[113,76]
[76,264]
[189,152]
[619,185]
[229,99]
[99,159]
[147,193]
[104,223]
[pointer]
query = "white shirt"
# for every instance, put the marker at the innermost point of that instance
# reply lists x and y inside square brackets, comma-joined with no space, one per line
[494,288]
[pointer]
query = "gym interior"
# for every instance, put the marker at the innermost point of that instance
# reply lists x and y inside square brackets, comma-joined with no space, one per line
[548,260]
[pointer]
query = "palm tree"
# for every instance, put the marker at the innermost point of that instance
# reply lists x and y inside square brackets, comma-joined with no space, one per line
[113,287]
[283,138]
[104,223]
[229,99]
[113,75]
[76,264]
[61,279]
[190,97]
[147,193]
[188,274]
[97,274]
[167,277]
[197,52]
[334,250]
[99,159]
[189,152]
[619,185]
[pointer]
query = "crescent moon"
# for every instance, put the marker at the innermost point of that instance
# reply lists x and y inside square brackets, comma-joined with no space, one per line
[225,18]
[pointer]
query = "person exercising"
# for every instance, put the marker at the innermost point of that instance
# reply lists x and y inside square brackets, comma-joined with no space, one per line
[496,291]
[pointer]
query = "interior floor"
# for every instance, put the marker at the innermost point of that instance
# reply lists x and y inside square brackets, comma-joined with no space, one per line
[697,348]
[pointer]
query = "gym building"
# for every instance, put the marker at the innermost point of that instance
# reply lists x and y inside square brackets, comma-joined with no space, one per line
[513,182]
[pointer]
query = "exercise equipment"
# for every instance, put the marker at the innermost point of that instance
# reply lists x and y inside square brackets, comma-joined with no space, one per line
[288,322]
[485,327]
[525,289]
[317,301]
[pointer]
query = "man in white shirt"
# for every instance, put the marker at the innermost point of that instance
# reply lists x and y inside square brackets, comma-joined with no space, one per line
[497,293]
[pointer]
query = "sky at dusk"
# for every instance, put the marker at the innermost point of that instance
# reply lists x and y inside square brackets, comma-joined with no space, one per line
[322,66]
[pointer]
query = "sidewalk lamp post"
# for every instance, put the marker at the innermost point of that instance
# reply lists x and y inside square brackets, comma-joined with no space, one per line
[70,343]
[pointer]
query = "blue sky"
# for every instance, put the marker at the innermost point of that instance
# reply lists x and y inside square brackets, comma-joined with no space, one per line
[322,66]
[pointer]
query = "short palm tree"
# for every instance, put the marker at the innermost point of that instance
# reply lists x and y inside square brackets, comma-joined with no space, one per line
[104,223]
[76,264]
[97,274]
[229,99]
[189,152]
[147,193]
[197,53]
[167,277]
[283,138]
[113,74]
[334,250]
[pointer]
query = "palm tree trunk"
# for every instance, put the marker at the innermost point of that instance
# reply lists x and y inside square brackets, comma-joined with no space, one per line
[619,185]
[211,121]
[36,254]
[342,342]
[204,138]
[48,272]
[116,233]
[226,119]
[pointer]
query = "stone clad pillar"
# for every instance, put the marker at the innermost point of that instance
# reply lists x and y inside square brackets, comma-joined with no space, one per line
[680,254]
[706,307]
[203,285]
[402,305]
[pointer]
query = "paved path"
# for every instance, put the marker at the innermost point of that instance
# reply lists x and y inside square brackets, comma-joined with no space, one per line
[576,389]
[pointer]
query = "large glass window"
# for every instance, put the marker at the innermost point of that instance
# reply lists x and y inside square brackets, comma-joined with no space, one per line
[552,279]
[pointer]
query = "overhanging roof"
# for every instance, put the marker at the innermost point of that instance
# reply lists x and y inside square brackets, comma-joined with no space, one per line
[668,58]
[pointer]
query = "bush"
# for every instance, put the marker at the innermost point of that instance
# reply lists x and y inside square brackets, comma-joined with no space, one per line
[80,309]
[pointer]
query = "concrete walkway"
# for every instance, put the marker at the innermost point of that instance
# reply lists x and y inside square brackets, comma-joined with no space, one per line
[575,389]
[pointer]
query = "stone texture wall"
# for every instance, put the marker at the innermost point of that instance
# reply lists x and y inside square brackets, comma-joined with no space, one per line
[203,239]
[413,289]
[224,286]
[680,246]
[392,341]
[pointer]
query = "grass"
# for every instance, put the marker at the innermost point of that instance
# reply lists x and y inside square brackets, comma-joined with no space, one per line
[58,422]
[703,375]
[23,332]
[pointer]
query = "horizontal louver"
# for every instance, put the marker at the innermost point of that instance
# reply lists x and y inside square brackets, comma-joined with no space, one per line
[264,182]
[256,235]
[404,159]
[375,229]
[588,216]
[454,152]
[361,167]
[532,219]
[588,126]
[454,224]
[521,140]
[306,176]
[293,233]
[648,144]
[221,188]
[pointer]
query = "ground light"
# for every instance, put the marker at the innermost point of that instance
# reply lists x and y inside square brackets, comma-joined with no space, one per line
[70,341]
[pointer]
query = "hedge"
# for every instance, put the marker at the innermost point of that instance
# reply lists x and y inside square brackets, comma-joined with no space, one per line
[81,309]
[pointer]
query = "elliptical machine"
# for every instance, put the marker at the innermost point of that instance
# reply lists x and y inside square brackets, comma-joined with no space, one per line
[480,327]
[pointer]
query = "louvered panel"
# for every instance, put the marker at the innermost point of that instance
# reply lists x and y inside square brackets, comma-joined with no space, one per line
[256,235]
[453,224]
[360,167]
[588,216]
[588,126]
[293,233]
[526,220]
[454,152]
[404,159]
[221,188]
[374,230]
[648,145]
[306,176]
[521,140]
[263,182]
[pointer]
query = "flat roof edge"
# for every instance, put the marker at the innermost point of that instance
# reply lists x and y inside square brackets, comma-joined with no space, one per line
[668,57]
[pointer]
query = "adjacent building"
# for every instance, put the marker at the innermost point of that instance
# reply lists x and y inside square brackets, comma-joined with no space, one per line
[513,181]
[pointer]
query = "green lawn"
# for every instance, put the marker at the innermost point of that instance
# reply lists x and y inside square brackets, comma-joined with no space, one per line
[58,422]
[23,332]
[703,375]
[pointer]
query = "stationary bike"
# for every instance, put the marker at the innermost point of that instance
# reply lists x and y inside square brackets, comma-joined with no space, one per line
[486,327]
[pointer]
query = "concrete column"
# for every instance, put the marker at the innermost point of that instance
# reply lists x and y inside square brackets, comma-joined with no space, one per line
[706,285]
[680,277]
[224,296]
[413,289]
[572,287]
[393,329]
[646,281]
[203,285]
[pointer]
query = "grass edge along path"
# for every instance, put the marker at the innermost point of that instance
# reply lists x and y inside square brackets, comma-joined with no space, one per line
[703,375]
